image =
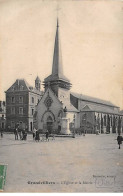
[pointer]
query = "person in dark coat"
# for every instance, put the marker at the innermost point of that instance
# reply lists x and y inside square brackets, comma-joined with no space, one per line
[47,135]
[1,133]
[24,135]
[119,140]
[37,137]
[34,133]
[16,133]
[20,134]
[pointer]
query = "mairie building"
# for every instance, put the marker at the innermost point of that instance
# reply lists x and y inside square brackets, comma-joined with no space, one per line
[21,99]
[62,111]
[2,115]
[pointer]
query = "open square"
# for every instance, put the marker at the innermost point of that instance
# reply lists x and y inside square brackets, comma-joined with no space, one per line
[83,164]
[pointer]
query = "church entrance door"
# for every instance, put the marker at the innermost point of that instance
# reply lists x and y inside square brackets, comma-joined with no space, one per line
[50,124]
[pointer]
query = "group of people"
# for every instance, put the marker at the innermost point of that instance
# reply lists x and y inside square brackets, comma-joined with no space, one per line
[20,133]
[23,135]
[36,135]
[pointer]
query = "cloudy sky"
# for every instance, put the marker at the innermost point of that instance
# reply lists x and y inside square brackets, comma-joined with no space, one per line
[91,35]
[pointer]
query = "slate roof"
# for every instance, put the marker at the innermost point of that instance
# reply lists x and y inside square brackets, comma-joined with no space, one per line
[56,78]
[25,87]
[37,79]
[102,109]
[57,67]
[93,99]
[69,106]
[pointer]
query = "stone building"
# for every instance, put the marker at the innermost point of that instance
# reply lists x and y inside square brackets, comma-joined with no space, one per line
[2,115]
[97,115]
[59,107]
[21,99]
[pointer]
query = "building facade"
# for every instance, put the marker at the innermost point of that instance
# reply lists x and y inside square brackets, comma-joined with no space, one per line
[84,114]
[21,99]
[97,115]
[2,115]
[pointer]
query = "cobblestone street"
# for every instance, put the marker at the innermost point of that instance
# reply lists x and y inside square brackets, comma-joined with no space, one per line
[85,164]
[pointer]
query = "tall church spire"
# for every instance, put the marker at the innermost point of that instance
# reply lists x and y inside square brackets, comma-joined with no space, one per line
[57,69]
[57,77]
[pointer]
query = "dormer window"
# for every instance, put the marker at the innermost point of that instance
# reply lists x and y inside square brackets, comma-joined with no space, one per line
[21,87]
[13,88]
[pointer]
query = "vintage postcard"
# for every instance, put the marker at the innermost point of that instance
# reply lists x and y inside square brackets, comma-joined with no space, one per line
[61,96]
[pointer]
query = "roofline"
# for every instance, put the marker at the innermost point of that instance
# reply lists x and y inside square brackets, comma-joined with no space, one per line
[99,103]
[102,112]
[60,79]
[73,111]
[53,94]
[112,105]
[22,91]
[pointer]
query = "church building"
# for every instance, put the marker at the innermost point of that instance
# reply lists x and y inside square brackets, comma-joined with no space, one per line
[62,111]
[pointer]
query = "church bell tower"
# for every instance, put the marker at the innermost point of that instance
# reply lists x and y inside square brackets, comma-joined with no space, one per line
[57,81]
[37,83]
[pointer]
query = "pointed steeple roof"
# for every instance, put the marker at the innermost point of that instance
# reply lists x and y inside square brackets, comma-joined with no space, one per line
[37,79]
[57,67]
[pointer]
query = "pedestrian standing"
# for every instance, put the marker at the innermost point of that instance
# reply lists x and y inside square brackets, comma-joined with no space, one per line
[34,133]
[47,135]
[16,134]
[37,137]
[24,134]
[119,140]
[20,134]
[1,133]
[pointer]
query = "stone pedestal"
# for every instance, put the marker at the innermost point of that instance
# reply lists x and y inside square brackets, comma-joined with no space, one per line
[65,125]
[104,129]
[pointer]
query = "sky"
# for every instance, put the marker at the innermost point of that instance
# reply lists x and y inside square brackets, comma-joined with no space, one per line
[91,36]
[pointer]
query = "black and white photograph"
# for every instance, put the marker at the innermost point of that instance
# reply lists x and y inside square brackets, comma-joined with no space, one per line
[61,96]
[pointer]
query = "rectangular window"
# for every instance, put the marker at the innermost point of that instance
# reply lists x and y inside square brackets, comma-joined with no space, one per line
[12,124]
[12,99]
[32,111]
[20,99]
[20,110]
[13,110]
[2,125]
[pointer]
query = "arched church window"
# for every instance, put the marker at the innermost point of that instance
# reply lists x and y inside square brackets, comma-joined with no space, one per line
[32,99]
[111,120]
[105,120]
[84,118]
[95,118]
[49,119]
